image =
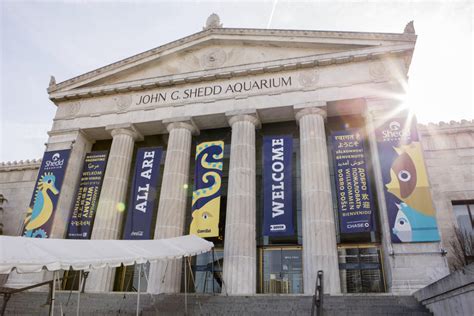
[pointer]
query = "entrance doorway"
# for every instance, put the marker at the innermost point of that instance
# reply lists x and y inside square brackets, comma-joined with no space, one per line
[281,270]
[361,269]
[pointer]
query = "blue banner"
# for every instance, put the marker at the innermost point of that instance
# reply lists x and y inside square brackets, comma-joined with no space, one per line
[207,189]
[40,214]
[87,196]
[410,209]
[354,199]
[143,194]
[277,184]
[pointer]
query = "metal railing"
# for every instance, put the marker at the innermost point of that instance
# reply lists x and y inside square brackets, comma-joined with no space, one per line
[317,305]
[8,292]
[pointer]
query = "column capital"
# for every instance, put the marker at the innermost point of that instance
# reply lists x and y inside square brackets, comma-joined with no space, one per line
[301,111]
[63,139]
[185,122]
[127,129]
[243,116]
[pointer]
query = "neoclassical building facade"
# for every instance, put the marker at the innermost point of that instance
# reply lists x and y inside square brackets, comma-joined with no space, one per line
[244,88]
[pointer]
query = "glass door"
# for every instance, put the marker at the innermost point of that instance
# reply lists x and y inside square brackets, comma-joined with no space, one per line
[281,270]
[360,269]
[208,272]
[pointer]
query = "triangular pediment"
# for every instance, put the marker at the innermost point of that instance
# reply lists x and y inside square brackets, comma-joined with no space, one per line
[227,50]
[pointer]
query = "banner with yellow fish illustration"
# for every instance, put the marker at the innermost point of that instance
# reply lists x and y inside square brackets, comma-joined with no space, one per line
[407,193]
[40,214]
[207,189]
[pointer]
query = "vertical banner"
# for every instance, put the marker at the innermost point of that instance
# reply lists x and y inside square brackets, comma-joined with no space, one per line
[143,195]
[87,195]
[407,194]
[40,214]
[354,199]
[277,186]
[207,189]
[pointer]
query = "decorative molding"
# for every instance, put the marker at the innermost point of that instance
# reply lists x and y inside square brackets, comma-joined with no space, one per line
[377,70]
[123,102]
[372,53]
[452,127]
[213,22]
[308,78]
[409,28]
[20,165]
[72,109]
[213,59]
[291,34]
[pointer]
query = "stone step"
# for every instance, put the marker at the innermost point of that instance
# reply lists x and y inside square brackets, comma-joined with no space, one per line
[33,303]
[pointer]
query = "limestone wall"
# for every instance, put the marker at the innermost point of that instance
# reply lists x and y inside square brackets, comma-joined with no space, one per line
[449,157]
[17,180]
[452,295]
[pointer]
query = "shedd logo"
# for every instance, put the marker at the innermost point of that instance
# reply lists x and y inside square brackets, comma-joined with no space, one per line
[55,162]
[395,131]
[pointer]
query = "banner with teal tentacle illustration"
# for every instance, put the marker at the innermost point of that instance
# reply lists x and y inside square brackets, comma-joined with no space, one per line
[40,214]
[207,189]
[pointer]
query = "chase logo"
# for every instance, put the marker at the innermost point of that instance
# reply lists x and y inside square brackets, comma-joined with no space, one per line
[55,162]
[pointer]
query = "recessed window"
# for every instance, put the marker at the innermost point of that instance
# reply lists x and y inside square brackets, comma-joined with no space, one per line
[464,212]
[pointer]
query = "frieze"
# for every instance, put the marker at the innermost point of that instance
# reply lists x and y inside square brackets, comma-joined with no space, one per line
[123,102]
[234,88]
[308,78]
[377,70]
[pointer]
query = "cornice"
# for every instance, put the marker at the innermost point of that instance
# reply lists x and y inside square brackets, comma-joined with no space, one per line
[402,37]
[322,60]
[20,165]
[452,127]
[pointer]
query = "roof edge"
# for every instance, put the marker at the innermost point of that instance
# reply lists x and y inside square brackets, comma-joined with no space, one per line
[408,37]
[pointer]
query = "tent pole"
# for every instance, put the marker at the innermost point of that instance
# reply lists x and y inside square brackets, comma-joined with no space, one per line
[79,292]
[212,278]
[138,290]
[53,293]
[185,288]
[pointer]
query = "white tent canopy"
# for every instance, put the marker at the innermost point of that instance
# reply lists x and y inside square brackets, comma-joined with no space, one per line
[35,254]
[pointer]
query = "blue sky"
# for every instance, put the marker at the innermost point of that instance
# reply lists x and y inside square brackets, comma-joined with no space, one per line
[68,38]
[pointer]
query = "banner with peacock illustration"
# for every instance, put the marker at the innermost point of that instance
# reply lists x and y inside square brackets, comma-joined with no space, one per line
[207,189]
[407,192]
[40,214]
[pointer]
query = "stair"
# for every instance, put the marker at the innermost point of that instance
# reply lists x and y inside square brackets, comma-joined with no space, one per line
[33,303]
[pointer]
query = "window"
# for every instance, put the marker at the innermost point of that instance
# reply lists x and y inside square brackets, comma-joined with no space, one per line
[464,212]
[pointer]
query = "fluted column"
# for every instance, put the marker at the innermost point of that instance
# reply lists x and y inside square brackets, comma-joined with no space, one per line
[165,277]
[240,260]
[109,216]
[319,230]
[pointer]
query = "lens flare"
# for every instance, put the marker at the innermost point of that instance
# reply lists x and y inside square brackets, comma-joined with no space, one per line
[120,206]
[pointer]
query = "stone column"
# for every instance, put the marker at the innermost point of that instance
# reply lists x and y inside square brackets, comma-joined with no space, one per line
[319,230]
[165,277]
[109,216]
[240,259]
